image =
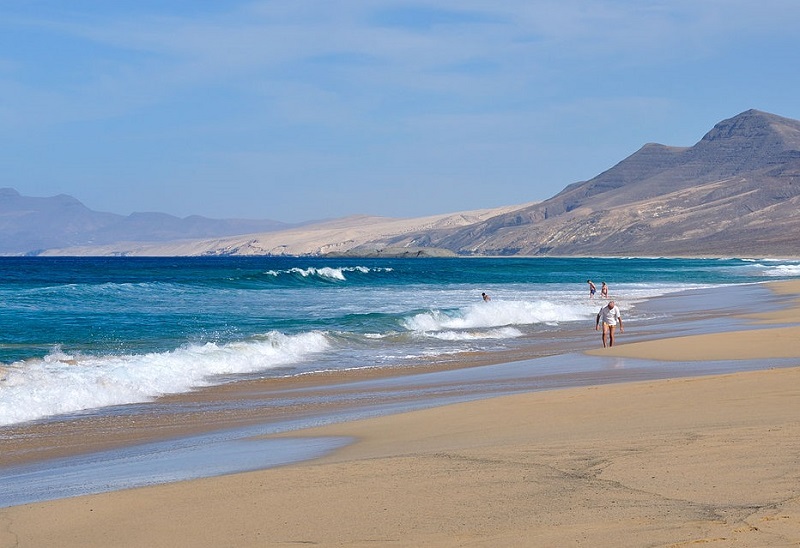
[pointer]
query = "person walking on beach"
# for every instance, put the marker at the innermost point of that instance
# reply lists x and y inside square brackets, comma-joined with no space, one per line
[610,316]
[592,289]
[604,290]
[486,297]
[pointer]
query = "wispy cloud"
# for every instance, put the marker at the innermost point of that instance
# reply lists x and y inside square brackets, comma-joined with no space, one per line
[473,51]
[392,77]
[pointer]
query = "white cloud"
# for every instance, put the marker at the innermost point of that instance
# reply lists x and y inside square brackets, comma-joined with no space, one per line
[422,80]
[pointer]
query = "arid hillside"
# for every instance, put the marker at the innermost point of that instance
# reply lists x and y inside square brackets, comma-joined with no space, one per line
[359,235]
[734,193]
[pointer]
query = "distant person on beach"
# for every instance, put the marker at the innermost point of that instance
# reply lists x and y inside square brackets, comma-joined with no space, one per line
[604,290]
[592,289]
[609,315]
[486,297]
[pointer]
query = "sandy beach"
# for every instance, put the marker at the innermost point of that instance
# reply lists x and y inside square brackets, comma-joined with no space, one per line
[710,460]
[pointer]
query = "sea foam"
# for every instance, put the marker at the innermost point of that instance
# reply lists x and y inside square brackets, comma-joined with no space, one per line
[325,273]
[782,270]
[62,382]
[496,314]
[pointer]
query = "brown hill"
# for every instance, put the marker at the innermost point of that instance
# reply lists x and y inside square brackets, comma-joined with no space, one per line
[359,235]
[735,193]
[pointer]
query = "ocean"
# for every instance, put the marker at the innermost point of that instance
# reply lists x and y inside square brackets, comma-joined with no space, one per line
[80,334]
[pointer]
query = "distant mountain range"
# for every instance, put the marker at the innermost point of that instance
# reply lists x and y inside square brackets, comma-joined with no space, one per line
[31,225]
[734,193]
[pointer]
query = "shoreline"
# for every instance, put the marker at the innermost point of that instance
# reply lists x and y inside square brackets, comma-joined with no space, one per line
[686,459]
[247,403]
[218,407]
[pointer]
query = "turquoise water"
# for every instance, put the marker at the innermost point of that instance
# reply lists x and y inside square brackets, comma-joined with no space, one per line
[83,333]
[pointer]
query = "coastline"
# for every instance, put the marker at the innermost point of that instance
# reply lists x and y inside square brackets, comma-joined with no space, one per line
[783,340]
[274,399]
[657,461]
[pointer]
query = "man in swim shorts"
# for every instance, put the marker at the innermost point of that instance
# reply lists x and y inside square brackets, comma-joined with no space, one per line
[610,316]
[592,289]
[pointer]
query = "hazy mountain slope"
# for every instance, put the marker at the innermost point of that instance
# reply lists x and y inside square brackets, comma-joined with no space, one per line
[368,235]
[30,224]
[735,192]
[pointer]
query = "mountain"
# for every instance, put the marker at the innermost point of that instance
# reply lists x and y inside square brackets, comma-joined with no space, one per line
[734,193]
[29,225]
[359,235]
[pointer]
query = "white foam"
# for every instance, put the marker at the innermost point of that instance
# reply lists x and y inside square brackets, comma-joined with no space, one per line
[326,272]
[62,383]
[497,314]
[782,271]
[499,333]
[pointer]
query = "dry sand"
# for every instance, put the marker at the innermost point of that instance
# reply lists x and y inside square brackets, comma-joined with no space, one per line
[701,461]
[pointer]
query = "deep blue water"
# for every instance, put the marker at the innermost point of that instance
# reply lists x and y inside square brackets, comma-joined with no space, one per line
[89,332]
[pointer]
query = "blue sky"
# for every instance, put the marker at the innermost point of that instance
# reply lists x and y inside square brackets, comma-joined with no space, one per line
[296,110]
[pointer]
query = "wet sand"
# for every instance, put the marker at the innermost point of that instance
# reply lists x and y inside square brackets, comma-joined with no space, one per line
[226,406]
[709,460]
[274,400]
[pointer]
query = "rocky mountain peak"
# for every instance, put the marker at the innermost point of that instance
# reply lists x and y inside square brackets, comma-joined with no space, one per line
[734,192]
[758,128]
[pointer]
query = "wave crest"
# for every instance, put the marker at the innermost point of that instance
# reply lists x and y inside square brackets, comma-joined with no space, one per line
[326,273]
[495,314]
[62,382]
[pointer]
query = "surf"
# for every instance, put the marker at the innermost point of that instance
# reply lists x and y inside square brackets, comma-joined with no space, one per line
[64,382]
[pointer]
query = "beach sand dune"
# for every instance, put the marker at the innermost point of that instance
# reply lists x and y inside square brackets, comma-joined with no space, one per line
[711,461]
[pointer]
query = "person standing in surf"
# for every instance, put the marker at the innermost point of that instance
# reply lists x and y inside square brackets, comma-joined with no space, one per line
[592,289]
[610,315]
[604,290]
